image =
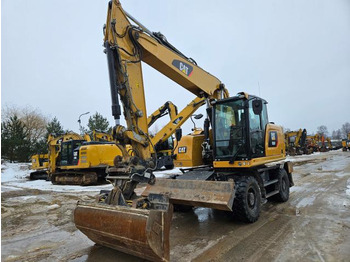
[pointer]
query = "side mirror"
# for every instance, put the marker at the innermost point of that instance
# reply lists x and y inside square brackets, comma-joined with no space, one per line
[178,134]
[257,106]
[199,116]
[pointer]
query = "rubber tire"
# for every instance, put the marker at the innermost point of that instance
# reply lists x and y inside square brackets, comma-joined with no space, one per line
[284,185]
[169,167]
[242,209]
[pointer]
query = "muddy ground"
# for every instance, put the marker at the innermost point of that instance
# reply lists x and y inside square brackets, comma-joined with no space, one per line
[314,225]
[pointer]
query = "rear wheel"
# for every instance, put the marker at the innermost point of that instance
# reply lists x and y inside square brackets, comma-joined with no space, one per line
[283,184]
[247,202]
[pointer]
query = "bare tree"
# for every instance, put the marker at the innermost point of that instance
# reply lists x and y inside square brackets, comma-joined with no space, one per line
[32,118]
[336,134]
[345,129]
[285,129]
[322,131]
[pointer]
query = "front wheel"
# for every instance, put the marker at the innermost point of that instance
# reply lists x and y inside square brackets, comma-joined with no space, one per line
[283,186]
[247,202]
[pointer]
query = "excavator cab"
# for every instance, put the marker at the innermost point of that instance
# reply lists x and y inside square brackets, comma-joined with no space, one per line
[68,153]
[239,128]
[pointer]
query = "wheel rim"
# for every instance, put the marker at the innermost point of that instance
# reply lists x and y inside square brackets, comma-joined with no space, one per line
[284,185]
[251,198]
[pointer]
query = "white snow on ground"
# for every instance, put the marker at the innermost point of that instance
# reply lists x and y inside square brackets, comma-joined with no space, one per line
[306,201]
[301,157]
[14,176]
[348,188]
[167,173]
[14,171]
[48,186]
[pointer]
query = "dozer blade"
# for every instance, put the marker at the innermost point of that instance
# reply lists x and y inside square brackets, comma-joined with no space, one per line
[211,194]
[139,232]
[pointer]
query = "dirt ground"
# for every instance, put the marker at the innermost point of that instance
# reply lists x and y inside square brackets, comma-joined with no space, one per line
[314,225]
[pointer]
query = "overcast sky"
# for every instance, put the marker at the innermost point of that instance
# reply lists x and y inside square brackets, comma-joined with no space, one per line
[298,52]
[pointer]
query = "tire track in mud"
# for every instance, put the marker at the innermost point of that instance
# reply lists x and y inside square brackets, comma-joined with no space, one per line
[250,241]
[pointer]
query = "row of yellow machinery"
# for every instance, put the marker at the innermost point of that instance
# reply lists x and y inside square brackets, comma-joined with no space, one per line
[298,143]
[234,163]
[79,160]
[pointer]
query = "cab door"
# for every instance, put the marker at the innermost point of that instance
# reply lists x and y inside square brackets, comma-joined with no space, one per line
[257,126]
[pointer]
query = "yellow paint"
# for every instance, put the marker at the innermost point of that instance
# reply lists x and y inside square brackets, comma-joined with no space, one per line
[96,156]
[36,159]
[248,163]
[192,156]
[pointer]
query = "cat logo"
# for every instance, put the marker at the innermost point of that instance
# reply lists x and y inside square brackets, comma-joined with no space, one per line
[183,67]
[182,149]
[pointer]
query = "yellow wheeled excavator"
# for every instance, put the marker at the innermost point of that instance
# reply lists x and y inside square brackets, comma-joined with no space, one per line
[243,152]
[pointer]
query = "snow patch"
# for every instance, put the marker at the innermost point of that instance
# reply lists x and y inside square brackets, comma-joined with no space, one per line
[14,177]
[48,186]
[14,171]
[54,206]
[167,173]
[8,188]
[307,201]
[347,191]
[301,157]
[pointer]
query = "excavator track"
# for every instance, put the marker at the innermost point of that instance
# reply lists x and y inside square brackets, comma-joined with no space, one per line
[74,178]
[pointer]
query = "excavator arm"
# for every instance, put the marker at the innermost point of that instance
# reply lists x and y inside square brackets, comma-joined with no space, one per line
[126,46]
[167,109]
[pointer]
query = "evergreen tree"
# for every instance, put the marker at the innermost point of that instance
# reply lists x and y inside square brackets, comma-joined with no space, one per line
[345,129]
[54,127]
[98,122]
[14,143]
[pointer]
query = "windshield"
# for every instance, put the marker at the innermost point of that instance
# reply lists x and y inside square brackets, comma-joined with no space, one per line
[229,129]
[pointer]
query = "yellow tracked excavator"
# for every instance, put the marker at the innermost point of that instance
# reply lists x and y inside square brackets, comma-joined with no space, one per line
[40,163]
[76,160]
[72,157]
[242,151]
